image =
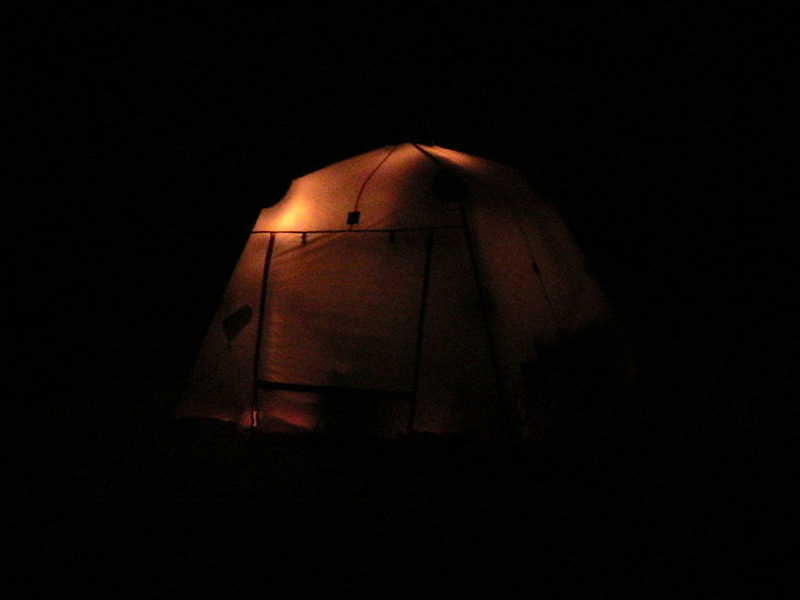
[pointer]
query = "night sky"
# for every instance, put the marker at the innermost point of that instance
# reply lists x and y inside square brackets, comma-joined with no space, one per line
[145,137]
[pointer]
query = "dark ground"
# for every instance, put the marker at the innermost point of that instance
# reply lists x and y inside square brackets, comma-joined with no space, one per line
[145,139]
[641,509]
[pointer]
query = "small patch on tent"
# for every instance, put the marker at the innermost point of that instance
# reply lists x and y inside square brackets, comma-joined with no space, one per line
[353,217]
[233,324]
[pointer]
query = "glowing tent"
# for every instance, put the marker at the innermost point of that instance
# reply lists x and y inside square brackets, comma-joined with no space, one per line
[408,289]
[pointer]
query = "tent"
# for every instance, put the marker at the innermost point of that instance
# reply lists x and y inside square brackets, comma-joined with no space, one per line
[409,289]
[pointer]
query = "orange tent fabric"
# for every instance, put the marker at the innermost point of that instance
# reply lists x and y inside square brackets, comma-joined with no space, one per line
[406,289]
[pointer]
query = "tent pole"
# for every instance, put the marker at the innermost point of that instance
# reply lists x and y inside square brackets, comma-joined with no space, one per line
[426,280]
[262,304]
[483,303]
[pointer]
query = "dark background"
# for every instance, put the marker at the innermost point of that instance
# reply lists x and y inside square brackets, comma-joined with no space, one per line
[145,138]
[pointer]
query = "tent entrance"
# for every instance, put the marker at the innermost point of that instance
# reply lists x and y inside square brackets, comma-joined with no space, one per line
[341,325]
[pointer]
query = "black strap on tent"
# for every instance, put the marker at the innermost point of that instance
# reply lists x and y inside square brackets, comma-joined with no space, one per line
[426,280]
[354,215]
[262,304]
[316,231]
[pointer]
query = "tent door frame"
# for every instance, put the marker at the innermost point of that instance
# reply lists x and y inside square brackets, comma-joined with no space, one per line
[411,397]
